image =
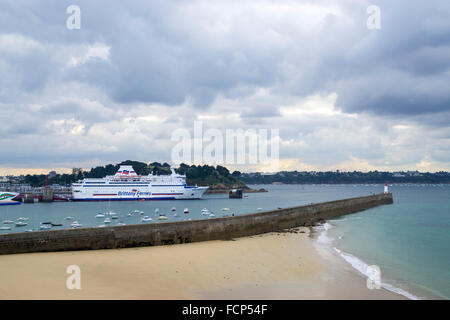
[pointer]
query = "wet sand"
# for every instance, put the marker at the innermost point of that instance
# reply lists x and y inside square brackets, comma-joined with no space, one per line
[270,266]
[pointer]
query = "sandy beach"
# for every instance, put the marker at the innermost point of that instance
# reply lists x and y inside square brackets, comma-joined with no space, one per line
[288,265]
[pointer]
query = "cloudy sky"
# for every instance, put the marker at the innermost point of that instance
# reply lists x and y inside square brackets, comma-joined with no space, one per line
[342,96]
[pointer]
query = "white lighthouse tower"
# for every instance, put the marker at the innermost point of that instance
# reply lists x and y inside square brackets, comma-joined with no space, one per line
[386,190]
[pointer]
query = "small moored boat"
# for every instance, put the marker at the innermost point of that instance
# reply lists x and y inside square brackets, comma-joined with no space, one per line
[75,224]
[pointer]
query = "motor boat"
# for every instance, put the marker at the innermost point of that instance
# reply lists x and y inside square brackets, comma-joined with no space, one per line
[75,224]
[21,224]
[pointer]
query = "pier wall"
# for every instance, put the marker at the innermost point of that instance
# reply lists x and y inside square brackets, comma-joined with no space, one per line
[163,233]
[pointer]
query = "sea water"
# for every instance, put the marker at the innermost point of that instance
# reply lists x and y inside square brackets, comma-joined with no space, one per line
[84,212]
[409,240]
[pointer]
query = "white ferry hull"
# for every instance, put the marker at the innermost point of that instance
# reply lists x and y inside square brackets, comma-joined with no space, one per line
[139,193]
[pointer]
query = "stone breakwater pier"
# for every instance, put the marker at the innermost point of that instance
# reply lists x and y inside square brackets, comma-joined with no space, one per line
[164,233]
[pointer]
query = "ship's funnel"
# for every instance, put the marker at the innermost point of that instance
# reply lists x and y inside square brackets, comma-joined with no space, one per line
[126,171]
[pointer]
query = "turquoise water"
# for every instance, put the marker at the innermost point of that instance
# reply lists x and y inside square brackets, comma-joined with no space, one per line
[409,240]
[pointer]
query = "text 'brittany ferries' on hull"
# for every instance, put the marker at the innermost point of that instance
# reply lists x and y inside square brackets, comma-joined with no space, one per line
[127,185]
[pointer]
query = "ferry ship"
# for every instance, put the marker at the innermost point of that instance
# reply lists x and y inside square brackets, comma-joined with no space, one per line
[127,185]
[7,197]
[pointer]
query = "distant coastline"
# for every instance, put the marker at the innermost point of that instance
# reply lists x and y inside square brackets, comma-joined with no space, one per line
[221,180]
[354,177]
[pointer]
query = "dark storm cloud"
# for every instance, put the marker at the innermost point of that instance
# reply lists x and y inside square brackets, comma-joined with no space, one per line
[172,51]
[176,60]
[403,68]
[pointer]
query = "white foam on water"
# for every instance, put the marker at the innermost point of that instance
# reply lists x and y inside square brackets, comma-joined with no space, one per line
[402,292]
[341,219]
[323,238]
[362,267]
[355,262]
